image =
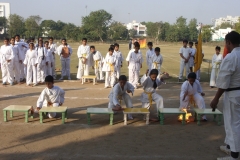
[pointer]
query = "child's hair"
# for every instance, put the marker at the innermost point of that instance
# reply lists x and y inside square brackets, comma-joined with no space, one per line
[6,39]
[233,37]
[40,37]
[136,44]
[153,71]
[218,48]
[196,42]
[13,38]
[92,47]
[46,42]
[112,46]
[111,49]
[49,78]
[32,39]
[17,35]
[50,38]
[31,43]
[157,49]
[116,45]
[192,75]
[150,44]
[122,78]
[191,43]
[185,41]
[64,39]
[84,39]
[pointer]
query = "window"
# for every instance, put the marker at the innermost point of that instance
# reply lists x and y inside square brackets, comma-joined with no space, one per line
[141,32]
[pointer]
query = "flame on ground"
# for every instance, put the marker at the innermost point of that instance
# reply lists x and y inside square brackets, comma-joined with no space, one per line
[188,115]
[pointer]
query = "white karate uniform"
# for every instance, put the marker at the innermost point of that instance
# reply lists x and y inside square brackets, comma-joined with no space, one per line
[49,67]
[17,56]
[98,64]
[157,63]
[53,48]
[30,61]
[65,62]
[119,60]
[109,68]
[185,52]
[23,50]
[194,91]
[149,55]
[147,84]
[229,77]
[135,62]
[117,93]
[191,60]
[83,69]
[6,53]
[54,95]
[42,59]
[216,62]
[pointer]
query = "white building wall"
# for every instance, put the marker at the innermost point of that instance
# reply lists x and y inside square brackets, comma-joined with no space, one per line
[141,29]
[219,35]
[5,11]
[228,19]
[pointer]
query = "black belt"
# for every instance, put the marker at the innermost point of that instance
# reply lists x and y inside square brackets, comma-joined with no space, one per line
[232,89]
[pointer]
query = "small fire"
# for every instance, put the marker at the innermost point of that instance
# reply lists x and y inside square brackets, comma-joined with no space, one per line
[188,115]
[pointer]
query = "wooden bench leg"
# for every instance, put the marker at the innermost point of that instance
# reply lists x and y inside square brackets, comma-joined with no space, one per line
[26,117]
[147,119]
[5,116]
[63,117]
[184,119]
[125,119]
[89,118]
[111,119]
[11,114]
[41,117]
[198,119]
[66,115]
[94,81]
[82,80]
[219,119]
[195,116]
[214,117]
[161,118]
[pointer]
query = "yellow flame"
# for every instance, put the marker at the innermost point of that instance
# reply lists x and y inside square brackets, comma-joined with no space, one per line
[188,115]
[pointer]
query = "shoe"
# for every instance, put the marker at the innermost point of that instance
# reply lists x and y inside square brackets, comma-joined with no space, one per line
[60,79]
[225,150]
[227,158]
[35,84]
[212,87]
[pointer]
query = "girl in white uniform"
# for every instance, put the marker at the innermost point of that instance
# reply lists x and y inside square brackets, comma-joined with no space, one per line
[98,62]
[149,54]
[157,61]
[216,62]
[119,60]
[50,58]
[191,92]
[191,60]
[118,93]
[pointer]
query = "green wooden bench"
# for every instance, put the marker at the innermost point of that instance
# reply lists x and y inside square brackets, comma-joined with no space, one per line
[94,78]
[163,111]
[17,108]
[136,111]
[200,112]
[61,109]
[100,111]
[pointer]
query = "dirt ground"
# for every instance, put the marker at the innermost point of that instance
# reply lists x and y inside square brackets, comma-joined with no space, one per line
[78,140]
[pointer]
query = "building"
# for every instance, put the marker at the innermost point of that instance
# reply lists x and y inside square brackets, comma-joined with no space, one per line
[4,12]
[141,29]
[228,19]
[219,35]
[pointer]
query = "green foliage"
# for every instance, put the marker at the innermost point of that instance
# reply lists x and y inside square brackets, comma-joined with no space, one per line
[207,33]
[117,31]
[32,25]
[15,25]
[237,26]
[224,26]
[193,32]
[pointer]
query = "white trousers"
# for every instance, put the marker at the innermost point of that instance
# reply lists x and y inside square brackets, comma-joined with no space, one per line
[41,73]
[31,74]
[16,71]
[99,73]
[23,71]
[213,77]
[133,77]
[7,72]
[49,70]
[198,74]
[83,69]
[51,114]
[182,66]
[197,98]
[118,72]
[109,79]
[125,97]
[231,113]
[65,62]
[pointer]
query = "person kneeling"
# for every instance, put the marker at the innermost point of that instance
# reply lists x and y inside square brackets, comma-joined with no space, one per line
[51,96]
[190,93]
[118,93]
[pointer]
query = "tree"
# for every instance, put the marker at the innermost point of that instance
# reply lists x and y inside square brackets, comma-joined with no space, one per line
[237,26]
[224,26]
[193,32]
[182,28]
[117,31]
[207,33]
[132,33]
[15,25]
[96,23]
[3,24]
[48,28]
[165,29]
[32,25]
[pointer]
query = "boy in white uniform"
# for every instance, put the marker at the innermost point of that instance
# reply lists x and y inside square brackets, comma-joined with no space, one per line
[53,48]
[185,55]
[119,60]
[134,60]
[51,96]
[84,56]
[65,51]
[228,83]
[216,62]
[190,93]
[149,54]
[31,64]
[157,61]
[17,60]
[6,57]
[98,62]
[50,57]
[191,60]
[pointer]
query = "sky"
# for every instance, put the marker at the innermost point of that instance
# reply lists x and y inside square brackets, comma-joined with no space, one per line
[125,11]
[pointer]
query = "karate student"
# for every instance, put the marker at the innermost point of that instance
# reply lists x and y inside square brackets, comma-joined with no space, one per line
[185,55]
[216,62]
[198,71]
[85,62]
[42,62]
[134,60]
[98,62]
[149,54]
[191,92]
[65,51]
[50,58]
[39,39]
[6,60]
[119,93]
[150,83]
[157,61]
[228,83]
[53,48]
[191,60]
[30,62]
[119,60]
[51,96]
[17,60]
[108,67]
